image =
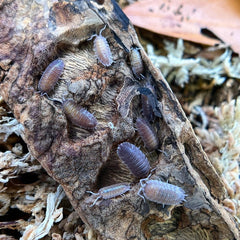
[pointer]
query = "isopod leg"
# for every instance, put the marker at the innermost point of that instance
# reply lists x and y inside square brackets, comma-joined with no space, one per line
[95,201]
[94,35]
[142,181]
[45,94]
[140,195]
[151,172]
[100,33]
[92,193]
[145,179]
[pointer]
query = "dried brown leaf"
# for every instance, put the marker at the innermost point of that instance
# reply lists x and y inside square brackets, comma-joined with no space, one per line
[187,18]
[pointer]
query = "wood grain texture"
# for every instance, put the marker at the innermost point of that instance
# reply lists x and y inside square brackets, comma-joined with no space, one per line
[31,37]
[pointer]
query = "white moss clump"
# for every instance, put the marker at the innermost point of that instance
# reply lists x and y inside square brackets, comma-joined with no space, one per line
[175,67]
[222,144]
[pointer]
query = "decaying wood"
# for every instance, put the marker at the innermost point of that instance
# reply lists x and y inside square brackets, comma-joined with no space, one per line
[34,33]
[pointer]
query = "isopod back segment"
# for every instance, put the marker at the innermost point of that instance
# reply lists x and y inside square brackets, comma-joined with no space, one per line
[161,192]
[134,158]
[50,76]
[102,49]
[78,115]
[111,191]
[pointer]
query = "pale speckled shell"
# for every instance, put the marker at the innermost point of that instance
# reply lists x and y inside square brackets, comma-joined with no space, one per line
[163,193]
[136,62]
[102,51]
[51,75]
[114,190]
[111,191]
[134,158]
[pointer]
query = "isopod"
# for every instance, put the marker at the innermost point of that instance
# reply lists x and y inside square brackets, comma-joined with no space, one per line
[152,100]
[102,49]
[111,191]
[161,192]
[134,158]
[136,62]
[147,108]
[78,115]
[50,76]
[147,134]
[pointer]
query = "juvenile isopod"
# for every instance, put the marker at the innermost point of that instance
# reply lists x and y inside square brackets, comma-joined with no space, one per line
[147,109]
[152,100]
[102,49]
[147,134]
[134,158]
[78,115]
[50,76]
[136,62]
[111,191]
[161,192]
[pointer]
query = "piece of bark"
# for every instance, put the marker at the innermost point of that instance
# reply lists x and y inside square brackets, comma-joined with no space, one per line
[33,35]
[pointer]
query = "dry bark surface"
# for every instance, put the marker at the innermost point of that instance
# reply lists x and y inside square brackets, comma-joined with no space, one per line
[33,35]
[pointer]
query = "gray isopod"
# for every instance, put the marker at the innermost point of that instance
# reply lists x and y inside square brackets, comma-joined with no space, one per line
[134,158]
[147,134]
[161,192]
[78,115]
[50,76]
[147,107]
[111,191]
[136,62]
[102,49]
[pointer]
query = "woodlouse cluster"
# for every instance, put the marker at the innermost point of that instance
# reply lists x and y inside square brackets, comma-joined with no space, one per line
[161,192]
[153,190]
[111,191]
[50,76]
[134,158]
[76,114]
